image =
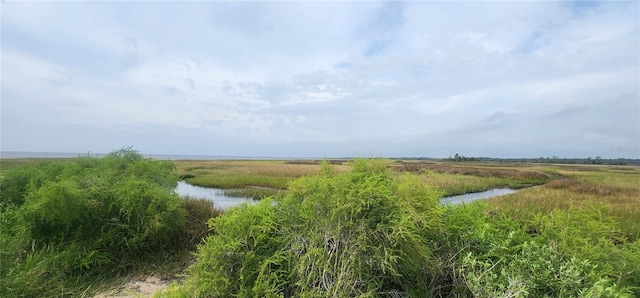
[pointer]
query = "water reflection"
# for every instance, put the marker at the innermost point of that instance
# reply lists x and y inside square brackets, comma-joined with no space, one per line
[216,195]
[222,201]
[470,197]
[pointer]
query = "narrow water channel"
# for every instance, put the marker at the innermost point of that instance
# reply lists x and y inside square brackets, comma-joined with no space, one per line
[222,201]
[470,197]
[215,195]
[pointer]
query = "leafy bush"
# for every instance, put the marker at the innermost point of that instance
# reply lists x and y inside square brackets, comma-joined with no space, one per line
[352,234]
[17,183]
[555,255]
[63,221]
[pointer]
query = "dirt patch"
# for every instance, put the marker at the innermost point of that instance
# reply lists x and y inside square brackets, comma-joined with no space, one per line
[139,287]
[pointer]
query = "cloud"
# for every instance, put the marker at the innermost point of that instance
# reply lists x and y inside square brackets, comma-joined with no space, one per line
[320,78]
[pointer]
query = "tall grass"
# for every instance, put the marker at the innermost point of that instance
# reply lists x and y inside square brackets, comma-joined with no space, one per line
[456,184]
[237,180]
[456,179]
[199,212]
[256,193]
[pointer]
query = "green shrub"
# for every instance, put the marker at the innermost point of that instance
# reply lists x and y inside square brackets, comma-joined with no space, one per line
[590,234]
[16,184]
[353,234]
[63,222]
[535,270]
[555,255]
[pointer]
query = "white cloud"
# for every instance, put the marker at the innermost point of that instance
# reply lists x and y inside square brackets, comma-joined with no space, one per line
[351,78]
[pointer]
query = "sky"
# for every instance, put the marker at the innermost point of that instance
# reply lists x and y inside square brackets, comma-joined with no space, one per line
[322,79]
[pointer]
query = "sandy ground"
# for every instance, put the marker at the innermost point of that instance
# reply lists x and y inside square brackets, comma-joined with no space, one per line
[139,287]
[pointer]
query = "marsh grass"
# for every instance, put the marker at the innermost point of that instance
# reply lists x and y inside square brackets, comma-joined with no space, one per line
[252,179]
[247,178]
[256,193]
[456,184]
[457,179]
[238,180]
[520,172]
[618,190]
[199,211]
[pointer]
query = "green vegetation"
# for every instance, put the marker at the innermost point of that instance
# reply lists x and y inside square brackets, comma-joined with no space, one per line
[370,232]
[615,188]
[7,165]
[370,228]
[332,235]
[241,178]
[259,179]
[456,179]
[68,226]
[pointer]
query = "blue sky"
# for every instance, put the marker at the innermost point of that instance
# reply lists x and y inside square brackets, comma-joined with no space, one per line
[316,79]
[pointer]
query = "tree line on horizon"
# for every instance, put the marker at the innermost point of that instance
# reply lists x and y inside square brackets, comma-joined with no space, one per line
[554,159]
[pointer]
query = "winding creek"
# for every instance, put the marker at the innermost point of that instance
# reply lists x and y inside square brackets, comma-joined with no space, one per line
[216,195]
[470,197]
[222,201]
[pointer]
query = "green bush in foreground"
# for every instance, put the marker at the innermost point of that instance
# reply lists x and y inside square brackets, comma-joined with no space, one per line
[64,223]
[354,234]
[559,254]
[367,234]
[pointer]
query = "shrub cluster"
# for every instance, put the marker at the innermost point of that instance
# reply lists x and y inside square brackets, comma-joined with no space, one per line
[564,253]
[65,221]
[366,233]
[341,235]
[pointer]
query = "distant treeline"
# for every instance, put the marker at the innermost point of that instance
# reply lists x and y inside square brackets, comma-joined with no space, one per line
[554,159]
